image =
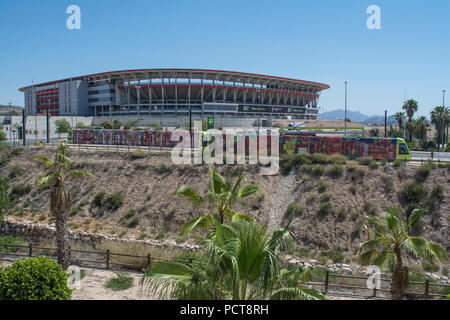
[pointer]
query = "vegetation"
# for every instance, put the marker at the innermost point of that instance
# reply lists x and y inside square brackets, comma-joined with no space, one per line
[120,282]
[240,263]
[4,198]
[62,126]
[389,240]
[34,279]
[12,241]
[222,195]
[60,204]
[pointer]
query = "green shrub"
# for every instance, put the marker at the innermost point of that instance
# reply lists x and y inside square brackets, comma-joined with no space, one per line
[286,166]
[98,199]
[397,163]
[325,198]
[12,241]
[322,186]
[336,171]
[338,159]
[370,208]
[422,173]
[19,190]
[17,151]
[373,165]
[137,154]
[317,170]
[353,189]
[113,201]
[365,161]
[75,210]
[34,279]
[120,282]
[301,159]
[324,210]
[412,193]
[430,267]
[133,222]
[15,171]
[142,236]
[294,209]
[320,158]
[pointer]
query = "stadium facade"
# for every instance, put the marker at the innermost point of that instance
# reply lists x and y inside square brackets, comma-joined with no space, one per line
[173,92]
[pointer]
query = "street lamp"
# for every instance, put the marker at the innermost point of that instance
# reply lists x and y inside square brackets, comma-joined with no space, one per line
[443,116]
[345,112]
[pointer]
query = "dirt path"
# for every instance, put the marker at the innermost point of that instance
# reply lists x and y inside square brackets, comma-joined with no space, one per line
[286,194]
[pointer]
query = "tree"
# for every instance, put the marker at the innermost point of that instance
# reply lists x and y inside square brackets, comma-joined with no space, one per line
[421,127]
[3,136]
[241,264]
[411,106]
[374,132]
[399,116]
[439,116]
[4,198]
[222,195]
[389,240]
[62,126]
[60,204]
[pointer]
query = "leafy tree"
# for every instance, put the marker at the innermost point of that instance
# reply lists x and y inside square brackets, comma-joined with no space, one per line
[240,264]
[62,126]
[222,195]
[60,204]
[388,242]
[411,106]
[374,132]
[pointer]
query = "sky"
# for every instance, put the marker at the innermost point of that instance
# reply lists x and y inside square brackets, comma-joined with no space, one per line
[325,41]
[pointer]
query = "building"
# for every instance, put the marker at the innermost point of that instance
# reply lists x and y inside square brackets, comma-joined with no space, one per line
[173,92]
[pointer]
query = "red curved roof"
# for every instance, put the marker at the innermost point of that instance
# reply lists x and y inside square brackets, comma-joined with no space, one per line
[321,85]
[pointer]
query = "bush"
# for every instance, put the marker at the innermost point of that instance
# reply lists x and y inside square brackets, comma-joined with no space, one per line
[12,241]
[15,171]
[325,198]
[17,151]
[365,161]
[322,186]
[98,199]
[422,173]
[412,193]
[324,209]
[370,208]
[373,165]
[19,190]
[113,201]
[336,171]
[34,279]
[120,282]
[397,163]
[137,154]
[294,209]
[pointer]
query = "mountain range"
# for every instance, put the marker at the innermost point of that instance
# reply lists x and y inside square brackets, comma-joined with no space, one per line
[356,116]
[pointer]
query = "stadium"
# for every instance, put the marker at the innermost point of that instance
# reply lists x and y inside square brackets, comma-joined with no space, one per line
[175,92]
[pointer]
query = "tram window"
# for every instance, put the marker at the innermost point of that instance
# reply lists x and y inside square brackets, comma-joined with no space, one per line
[403,149]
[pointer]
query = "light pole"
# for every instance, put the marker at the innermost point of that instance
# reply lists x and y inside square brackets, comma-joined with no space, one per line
[443,116]
[345,112]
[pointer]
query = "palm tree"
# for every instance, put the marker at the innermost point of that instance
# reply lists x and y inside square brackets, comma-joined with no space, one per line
[439,116]
[411,106]
[242,265]
[421,127]
[222,194]
[390,239]
[399,116]
[60,204]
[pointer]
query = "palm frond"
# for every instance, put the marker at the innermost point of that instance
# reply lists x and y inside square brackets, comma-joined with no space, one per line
[199,223]
[248,190]
[297,294]
[189,194]
[81,173]
[415,216]
[46,161]
[46,179]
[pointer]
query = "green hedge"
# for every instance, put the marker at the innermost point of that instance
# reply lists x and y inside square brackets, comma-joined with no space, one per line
[34,279]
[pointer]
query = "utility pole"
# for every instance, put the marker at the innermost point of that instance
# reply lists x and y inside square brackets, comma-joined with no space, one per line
[48,127]
[385,123]
[24,139]
[345,112]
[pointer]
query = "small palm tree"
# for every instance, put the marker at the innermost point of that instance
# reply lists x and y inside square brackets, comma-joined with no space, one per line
[388,242]
[242,264]
[60,204]
[399,116]
[411,106]
[222,194]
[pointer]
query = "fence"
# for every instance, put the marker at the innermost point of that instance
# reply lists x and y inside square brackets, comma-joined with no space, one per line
[325,284]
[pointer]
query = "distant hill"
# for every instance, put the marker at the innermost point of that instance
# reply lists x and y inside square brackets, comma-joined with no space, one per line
[355,116]
[10,110]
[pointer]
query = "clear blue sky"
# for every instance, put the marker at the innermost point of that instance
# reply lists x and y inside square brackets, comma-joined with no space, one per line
[322,40]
